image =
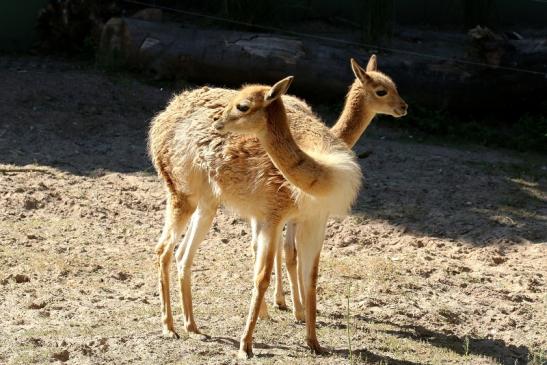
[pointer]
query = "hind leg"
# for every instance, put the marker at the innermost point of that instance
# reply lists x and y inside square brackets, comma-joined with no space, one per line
[310,235]
[291,262]
[268,237]
[279,295]
[177,213]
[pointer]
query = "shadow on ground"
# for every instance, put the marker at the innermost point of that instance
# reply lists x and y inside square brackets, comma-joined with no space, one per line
[495,349]
[371,357]
[81,121]
[476,195]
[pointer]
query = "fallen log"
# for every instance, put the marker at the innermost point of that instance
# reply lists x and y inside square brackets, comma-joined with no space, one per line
[321,70]
[226,57]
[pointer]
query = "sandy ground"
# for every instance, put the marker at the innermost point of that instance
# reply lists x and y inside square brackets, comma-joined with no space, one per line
[443,261]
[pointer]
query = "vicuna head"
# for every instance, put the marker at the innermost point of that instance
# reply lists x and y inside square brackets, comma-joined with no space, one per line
[246,113]
[380,90]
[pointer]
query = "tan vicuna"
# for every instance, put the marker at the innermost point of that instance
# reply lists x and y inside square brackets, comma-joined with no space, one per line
[371,93]
[284,169]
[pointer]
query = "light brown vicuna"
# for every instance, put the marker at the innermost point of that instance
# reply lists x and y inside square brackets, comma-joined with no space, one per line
[282,168]
[371,93]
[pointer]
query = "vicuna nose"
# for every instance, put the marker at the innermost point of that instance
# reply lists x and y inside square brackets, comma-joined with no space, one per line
[404,107]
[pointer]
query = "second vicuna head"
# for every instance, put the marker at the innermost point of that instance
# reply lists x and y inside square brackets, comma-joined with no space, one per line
[247,113]
[380,90]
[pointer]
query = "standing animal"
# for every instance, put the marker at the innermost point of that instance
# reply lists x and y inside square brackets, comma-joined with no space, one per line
[244,150]
[371,93]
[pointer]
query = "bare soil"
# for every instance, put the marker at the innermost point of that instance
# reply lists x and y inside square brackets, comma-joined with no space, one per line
[443,261]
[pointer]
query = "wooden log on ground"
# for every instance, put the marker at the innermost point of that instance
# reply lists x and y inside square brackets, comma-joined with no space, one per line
[321,70]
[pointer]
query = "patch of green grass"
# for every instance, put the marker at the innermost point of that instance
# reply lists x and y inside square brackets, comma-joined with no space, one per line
[348,326]
[538,358]
[466,345]
[527,133]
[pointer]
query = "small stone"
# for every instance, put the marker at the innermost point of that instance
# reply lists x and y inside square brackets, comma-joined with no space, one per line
[346,241]
[449,315]
[5,281]
[121,276]
[62,356]
[86,350]
[45,313]
[34,305]
[519,297]
[64,273]
[37,342]
[497,260]
[31,203]
[21,278]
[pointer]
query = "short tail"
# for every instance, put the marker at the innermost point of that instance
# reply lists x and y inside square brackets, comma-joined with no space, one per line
[344,175]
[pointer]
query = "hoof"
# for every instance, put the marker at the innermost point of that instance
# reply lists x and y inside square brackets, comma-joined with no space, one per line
[244,355]
[299,317]
[281,306]
[263,313]
[192,328]
[245,352]
[170,334]
[315,348]
[198,336]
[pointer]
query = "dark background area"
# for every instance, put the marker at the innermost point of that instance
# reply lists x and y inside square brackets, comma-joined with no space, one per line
[489,91]
[455,14]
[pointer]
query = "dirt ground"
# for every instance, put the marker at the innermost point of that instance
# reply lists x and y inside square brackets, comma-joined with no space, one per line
[443,260]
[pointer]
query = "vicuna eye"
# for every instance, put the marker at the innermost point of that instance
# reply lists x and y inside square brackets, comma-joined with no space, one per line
[381,93]
[242,107]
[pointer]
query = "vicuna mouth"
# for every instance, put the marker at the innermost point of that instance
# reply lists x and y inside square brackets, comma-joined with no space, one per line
[400,112]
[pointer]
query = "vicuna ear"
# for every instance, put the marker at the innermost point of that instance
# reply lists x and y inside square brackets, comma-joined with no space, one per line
[359,72]
[372,63]
[280,88]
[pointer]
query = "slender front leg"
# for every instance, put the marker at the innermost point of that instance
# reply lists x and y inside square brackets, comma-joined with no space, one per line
[268,236]
[279,295]
[290,261]
[177,213]
[309,240]
[200,224]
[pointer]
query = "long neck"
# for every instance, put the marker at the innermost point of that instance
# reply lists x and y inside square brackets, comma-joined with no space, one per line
[355,117]
[297,167]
